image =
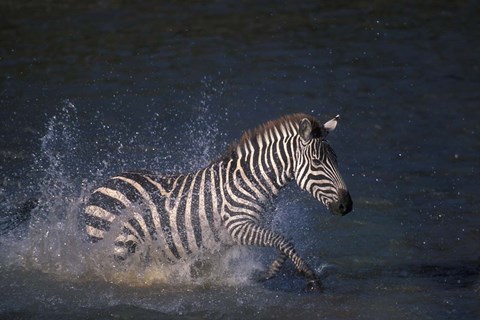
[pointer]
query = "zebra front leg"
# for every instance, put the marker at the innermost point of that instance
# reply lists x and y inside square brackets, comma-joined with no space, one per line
[276,265]
[249,233]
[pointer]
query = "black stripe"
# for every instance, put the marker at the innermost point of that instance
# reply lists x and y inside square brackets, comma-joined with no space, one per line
[150,225]
[94,239]
[273,157]
[107,203]
[180,214]
[136,225]
[281,153]
[97,223]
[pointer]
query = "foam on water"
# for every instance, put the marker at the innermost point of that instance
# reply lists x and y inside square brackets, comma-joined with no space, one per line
[53,241]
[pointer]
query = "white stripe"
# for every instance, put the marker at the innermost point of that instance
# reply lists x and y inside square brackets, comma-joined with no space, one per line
[202,216]
[126,237]
[94,232]
[213,189]
[253,166]
[162,190]
[115,195]
[99,213]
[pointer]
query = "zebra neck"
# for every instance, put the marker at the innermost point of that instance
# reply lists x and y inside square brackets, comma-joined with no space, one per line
[266,164]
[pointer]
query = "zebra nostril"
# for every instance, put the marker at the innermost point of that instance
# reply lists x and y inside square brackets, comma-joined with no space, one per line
[344,204]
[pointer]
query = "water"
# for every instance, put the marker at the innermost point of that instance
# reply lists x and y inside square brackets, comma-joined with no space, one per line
[90,89]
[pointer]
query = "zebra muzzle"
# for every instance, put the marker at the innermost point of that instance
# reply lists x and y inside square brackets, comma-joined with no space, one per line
[343,205]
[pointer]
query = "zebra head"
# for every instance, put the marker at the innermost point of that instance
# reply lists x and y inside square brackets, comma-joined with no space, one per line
[316,169]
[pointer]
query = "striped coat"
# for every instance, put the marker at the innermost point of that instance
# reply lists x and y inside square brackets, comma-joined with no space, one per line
[224,203]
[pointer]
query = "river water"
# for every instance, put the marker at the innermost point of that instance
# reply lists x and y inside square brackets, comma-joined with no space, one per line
[91,88]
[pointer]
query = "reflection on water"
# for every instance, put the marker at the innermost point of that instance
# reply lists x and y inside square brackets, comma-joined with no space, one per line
[167,87]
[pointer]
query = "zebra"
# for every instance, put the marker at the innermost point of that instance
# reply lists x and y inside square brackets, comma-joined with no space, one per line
[224,203]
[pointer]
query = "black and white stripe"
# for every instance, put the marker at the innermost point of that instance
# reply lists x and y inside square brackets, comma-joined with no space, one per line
[224,203]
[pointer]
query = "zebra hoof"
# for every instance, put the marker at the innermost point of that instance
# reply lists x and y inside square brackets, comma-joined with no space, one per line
[314,285]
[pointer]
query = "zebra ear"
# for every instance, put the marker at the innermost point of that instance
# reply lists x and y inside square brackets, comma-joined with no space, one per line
[331,124]
[305,129]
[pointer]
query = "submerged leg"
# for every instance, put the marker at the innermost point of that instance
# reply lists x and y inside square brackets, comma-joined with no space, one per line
[276,265]
[249,233]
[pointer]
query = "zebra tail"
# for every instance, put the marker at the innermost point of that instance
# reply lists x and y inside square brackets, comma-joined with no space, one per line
[12,219]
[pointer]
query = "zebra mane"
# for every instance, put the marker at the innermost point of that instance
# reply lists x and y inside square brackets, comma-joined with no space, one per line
[248,135]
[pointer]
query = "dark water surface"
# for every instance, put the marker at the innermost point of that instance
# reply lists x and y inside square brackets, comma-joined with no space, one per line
[91,88]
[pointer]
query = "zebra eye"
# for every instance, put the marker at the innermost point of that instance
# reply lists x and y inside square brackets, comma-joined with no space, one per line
[316,162]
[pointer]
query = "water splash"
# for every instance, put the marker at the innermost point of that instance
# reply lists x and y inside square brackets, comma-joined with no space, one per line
[51,243]
[54,242]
